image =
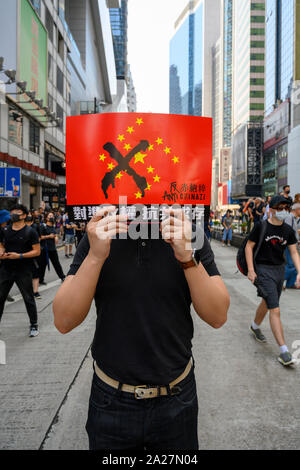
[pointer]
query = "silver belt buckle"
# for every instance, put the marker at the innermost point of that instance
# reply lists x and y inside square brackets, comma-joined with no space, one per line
[139,392]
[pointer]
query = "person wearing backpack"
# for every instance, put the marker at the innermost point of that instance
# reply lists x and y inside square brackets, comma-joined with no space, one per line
[266,270]
[19,244]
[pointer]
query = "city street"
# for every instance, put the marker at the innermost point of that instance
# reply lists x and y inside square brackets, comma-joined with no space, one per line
[247,400]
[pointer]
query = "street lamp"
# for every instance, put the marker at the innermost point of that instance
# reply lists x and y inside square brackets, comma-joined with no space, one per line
[11,74]
[31,95]
[39,103]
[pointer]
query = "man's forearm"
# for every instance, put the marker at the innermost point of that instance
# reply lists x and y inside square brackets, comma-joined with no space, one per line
[296,260]
[32,254]
[249,257]
[73,300]
[209,296]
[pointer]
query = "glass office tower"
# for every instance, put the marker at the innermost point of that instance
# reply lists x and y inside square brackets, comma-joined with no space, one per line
[280,17]
[118,20]
[227,74]
[186,54]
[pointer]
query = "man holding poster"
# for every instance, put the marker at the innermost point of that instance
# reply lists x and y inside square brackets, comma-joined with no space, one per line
[144,391]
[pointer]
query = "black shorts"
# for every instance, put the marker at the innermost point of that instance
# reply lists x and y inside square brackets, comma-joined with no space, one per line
[270,282]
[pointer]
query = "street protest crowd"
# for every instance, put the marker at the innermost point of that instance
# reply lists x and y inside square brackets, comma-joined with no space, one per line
[272,249]
[28,242]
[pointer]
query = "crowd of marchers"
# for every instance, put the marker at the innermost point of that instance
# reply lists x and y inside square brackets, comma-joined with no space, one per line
[28,243]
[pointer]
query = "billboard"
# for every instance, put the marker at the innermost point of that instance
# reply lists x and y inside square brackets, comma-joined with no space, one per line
[276,125]
[32,63]
[239,155]
[147,158]
[225,162]
[10,182]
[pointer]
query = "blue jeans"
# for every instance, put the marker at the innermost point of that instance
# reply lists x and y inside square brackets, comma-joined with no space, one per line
[227,234]
[290,274]
[118,421]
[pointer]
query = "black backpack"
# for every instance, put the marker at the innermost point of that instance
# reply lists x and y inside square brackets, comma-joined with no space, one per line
[241,257]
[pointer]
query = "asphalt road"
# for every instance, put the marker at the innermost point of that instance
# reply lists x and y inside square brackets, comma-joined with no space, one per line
[247,400]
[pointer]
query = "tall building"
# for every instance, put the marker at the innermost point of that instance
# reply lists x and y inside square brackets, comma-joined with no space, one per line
[62,52]
[282,71]
[118,19]
[227,78]
[131,94]
[248,61]
[196,31]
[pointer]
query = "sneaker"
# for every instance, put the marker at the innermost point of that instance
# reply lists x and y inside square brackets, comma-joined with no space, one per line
[43,283]
[10,299]
[33,331]
[258,335]
[70,254]
[286,359]
[67,256]
[37,295]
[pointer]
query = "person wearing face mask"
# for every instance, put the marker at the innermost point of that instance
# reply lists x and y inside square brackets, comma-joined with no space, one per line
[290,270]
[35,269]
[49,252]
[269,269]
[286,194]
[19,244]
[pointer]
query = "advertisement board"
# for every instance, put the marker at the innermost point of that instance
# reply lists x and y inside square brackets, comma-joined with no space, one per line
[239,156]
[276,125]
[10,182]
[32,64]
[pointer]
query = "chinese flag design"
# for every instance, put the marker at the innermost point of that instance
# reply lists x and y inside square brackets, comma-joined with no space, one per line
[150,158]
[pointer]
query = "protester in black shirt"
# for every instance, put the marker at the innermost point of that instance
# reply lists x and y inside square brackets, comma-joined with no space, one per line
[143,291]
[286,194]
[19,244]
[35,261]
[268,272]
[48,249]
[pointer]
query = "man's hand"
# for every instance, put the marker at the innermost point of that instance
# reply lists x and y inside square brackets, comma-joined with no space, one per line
[2,252]
[177,230]
[252,276]
[12,255]
[298,280]
[101,228]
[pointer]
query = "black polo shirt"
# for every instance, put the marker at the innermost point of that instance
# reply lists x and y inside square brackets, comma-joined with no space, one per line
[144,327]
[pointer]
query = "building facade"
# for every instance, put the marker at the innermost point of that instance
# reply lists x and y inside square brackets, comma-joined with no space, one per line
[196,31]
[282,72]
[248,61]
[65,55]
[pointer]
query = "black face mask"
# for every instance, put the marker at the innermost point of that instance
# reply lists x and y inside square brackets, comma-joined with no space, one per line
[51,220]
[28,218]
[15,218]
[287,192]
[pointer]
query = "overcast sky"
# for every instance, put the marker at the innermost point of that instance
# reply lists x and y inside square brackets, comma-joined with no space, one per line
[150,27]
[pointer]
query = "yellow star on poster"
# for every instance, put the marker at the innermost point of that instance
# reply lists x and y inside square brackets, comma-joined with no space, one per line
[157,179]
[139,121]
[102,157]
[119,175]
[148,187]
[138,195]
[150,169]
[127,147]
[159,141]
[130,130]
[110,166]
[121,138]
[167,150]
[175,159]
[139,157]
[151,147]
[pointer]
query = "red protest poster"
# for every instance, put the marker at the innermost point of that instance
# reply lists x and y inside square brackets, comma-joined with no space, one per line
[150,158]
